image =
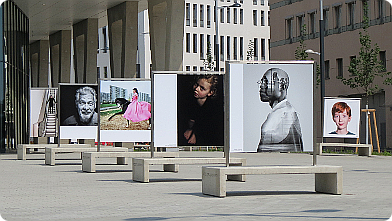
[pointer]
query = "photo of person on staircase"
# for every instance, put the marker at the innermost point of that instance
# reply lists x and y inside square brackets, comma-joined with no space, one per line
[43,112]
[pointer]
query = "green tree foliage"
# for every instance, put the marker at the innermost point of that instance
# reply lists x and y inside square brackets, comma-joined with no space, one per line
[366,67]
[209,63]
[300,53]
[251,51]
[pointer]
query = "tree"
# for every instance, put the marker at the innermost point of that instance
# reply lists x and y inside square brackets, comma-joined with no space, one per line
[300,53]
[366,67]
[209,61]
[251,51]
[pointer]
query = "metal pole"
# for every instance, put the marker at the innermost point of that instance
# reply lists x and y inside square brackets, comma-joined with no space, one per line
[216,37]
[322,68]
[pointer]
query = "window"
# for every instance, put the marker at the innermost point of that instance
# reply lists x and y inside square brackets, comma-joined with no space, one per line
[312,23]
[383,59]
[201,15]
[289,28]
[188,43]
[222,15]
[194,68]
[339,65]
[188,14]
[325,16]
[201,46]
[326,71]
[208,16]
[254,2]
[262,44]
[261,2]
[99,72]
[262,18]
[235,12]
[235,57]
[241,16]
[105,40]
[188,68]
[255,17]
[228,48]
[228,15]
[105,72]
[222,47]
[256,51]
[194,43]
[338,16]
[241,48]
[380,7]
[300,22]
[350,9]
[194,15]
[269,18]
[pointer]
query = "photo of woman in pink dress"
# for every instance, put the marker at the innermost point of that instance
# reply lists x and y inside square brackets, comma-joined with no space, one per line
[137,111]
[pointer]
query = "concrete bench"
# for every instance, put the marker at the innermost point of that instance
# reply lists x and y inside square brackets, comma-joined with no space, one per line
[22,148]
[141,167]
[89,158]
[328,179]
[363,149]
[50,152]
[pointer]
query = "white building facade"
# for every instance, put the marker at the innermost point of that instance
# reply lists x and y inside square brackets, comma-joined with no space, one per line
[237,27]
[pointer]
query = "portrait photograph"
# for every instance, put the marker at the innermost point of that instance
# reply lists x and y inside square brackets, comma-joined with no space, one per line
[271,106]
[200,110]
[43,112]
[125,110]
[342,117]
[78,105]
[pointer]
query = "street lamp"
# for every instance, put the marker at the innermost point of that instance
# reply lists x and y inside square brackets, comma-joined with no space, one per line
[235,5]
[310,51]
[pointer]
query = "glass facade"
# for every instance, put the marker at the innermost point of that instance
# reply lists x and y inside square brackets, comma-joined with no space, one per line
[14,73]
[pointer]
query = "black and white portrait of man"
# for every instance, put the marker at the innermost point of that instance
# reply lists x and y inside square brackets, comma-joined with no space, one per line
[281,131]
[82,111]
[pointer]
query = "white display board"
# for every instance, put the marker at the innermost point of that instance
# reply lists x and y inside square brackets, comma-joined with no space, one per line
[342,117]
[249,114]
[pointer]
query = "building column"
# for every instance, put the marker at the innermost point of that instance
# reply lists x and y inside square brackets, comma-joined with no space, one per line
[85,43]
[39,55]
[166,33]
[60,57]
[123,38]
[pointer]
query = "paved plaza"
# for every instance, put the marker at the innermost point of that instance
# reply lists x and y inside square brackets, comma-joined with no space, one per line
[31,190]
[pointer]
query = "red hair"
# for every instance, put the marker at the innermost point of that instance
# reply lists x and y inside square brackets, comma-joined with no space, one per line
[340,107]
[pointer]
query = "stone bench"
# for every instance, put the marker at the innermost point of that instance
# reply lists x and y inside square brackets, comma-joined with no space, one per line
[22,148]
[328,179]
[363,149]
[89,158]
[50,152]
[141,167]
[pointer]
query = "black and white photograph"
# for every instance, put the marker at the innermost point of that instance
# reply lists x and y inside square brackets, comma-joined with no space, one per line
[277,107]
[200,110]
[78,105]
[43,112]
[78,111]
[342,117]
[125,110]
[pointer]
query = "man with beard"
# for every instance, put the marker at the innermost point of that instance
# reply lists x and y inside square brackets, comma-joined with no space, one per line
[281,131]
[85,100]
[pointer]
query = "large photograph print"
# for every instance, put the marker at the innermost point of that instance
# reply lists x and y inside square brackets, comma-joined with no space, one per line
[271,107]
[78,111]
[200,110]
[43,112]
[342,117]
[125,110]
[188,109]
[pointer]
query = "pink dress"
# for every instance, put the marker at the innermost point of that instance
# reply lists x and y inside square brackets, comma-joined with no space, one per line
[138,111]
